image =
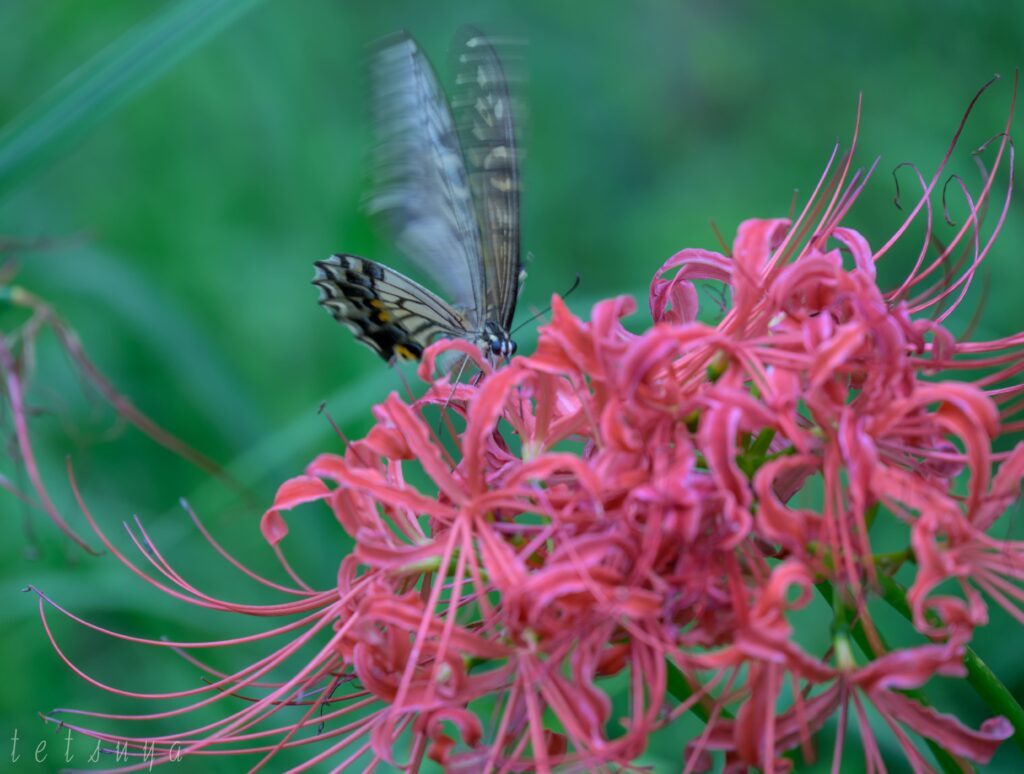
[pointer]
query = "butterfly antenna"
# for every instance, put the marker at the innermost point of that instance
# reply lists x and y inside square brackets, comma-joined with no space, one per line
[547,309]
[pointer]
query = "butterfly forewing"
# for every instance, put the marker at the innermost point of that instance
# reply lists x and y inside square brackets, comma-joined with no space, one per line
[387,311]
[484,116]
[420,184]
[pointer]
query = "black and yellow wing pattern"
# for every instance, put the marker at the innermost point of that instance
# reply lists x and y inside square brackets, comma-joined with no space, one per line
[390,313]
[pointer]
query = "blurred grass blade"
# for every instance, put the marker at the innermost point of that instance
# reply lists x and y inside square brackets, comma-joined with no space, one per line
[114,75]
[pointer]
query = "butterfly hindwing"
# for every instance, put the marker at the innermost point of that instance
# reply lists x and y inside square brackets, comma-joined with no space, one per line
[392,314]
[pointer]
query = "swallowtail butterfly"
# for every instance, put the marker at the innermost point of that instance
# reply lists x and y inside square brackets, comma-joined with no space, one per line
[447,185]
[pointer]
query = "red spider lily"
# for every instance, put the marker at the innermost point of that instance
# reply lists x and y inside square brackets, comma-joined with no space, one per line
[620,513]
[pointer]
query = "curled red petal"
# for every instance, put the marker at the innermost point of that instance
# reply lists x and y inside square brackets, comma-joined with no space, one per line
[293,492]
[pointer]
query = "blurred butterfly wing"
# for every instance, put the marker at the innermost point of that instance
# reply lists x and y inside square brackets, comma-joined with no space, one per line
[421,189]
[483,111]
[387,311]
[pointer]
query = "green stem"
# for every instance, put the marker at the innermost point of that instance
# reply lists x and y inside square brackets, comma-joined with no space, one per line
[990,689]
[949,764]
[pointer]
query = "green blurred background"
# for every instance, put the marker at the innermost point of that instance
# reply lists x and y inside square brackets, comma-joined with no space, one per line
[208,152]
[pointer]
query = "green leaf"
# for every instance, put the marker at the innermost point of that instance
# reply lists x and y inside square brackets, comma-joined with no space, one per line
[120,71]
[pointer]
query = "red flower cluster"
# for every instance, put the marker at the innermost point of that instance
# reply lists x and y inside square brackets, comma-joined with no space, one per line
[622,528]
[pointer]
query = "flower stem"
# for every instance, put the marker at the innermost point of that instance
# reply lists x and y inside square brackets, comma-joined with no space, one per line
[990,689]
[946,761]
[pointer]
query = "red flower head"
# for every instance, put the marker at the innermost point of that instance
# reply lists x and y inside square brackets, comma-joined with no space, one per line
[622,528]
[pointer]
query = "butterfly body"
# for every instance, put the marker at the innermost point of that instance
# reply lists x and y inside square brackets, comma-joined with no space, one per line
[449,193]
